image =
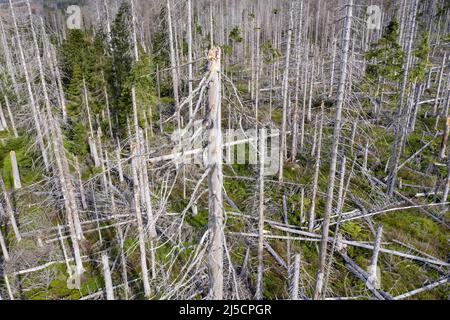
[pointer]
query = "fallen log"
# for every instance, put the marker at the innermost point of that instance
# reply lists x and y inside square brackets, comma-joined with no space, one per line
[430,286]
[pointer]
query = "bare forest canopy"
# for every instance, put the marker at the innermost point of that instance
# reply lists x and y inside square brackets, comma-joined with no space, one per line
[224,149]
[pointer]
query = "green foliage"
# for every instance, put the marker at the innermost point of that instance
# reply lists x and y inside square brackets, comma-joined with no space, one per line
[417,227]
[386,55]
[226,50]
[123,62]
[25,156]
[422,63]
[198,221]
[83,58]
[270,53]
[121,44]
[235,35]
[141,78]
[76,141]
[351,229]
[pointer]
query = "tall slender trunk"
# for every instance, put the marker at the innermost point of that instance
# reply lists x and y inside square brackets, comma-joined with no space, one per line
[312,210]
[137,209]
[445,194]
[10,211]
[399,134]
[262,153]
[438,90]
[215,177]
[295,278]
[62,165]
[334,150]
[33,105]
[444,142]
[285,95]
[10,116]
[294,147]
[190,73]
[2,240]
[173,63]
[8,58]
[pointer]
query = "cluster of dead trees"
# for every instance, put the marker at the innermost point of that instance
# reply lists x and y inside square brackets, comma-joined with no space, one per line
[135,214]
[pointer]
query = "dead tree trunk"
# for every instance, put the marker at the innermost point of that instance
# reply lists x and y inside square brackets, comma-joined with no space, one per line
[8,58]
[2,239]
[15,170]
[399,134]
[438,90]
[445,206]
[33,105]
[295,278]
[444,142]
[10,116]
[285,95]
[215,177]
[259,281]
[137,209]
[62,165]
[294,147]
[107,277]
[190,71]
[334,150]
[372,271]
[312,210]
[173,63]
[10,211]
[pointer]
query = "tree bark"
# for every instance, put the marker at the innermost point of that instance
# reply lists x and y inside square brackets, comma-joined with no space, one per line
[215,177]
[15,170]
[334,150]
[31,100]
[399,131]
[107,277]
[259,281]
[312,210]
[10,211]
[285,95]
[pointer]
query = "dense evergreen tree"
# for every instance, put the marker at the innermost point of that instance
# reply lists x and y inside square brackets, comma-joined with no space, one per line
[386,55]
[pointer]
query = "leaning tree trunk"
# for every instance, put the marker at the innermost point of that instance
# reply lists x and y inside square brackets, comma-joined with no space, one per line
[334,150]
[62,165]
[438,90]
[2,240]
[372,270]
[444,141]
[445,205]
[107,277]
[8,59]
[140,224]
[32,101]
[285,96]
[294,146]
[190,72]
[10,211]
[312,209]
[399,134]
[173,63]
